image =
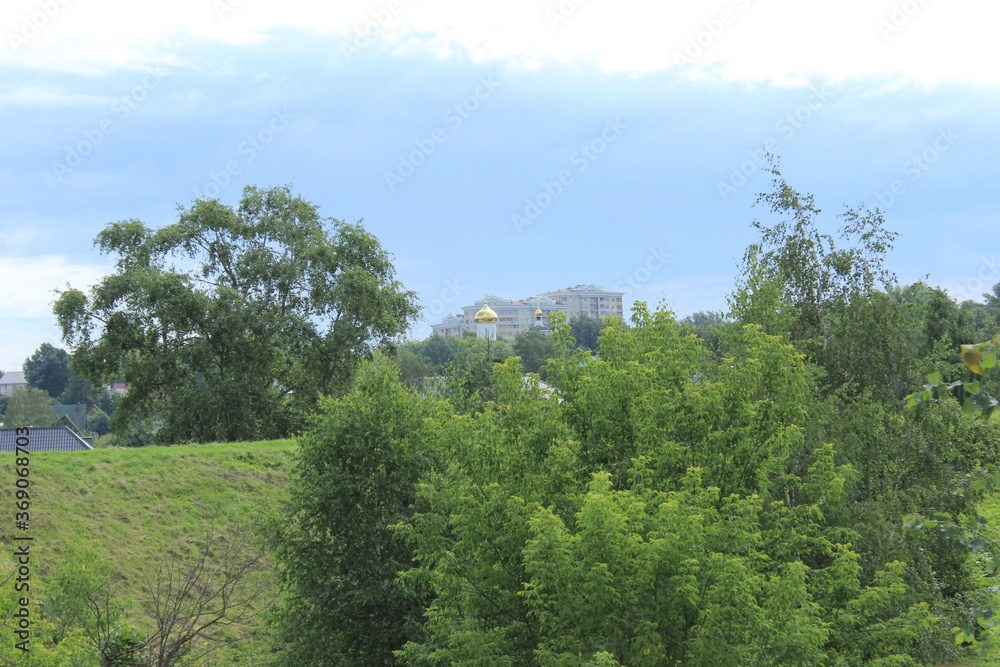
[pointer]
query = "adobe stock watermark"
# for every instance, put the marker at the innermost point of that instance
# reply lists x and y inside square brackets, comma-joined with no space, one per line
[248,150]
[899,16]
[581,158]
[915,167]
[366,33]
[438,307]
[223,7]
[785,127]
[35,22]
[655,260]
[562,12]
[711,30]
[121,108]
[454,116]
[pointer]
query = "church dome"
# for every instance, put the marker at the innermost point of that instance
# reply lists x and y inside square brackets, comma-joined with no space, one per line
[485,314]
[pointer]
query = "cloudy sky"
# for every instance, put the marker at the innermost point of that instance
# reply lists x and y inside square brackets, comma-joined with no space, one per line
[507,147]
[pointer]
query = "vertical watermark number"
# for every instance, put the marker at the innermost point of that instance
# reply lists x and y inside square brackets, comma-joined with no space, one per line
[22,540]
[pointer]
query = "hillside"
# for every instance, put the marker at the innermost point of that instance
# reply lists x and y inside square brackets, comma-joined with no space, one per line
[133,507]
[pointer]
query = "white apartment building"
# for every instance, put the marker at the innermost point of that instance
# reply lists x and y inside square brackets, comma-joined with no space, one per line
[517,315]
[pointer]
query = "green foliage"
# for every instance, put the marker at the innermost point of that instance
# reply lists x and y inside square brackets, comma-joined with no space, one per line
[651,516]
[797,282]
[280,308]
[414,367]
[48,369]
[962,531]
[78,390]
[99,423]
[469,382]
[357,473]
[29,407]
[84,596]
[586,331]
[534,348]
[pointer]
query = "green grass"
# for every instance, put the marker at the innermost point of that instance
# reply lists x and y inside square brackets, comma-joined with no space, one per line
[135,507]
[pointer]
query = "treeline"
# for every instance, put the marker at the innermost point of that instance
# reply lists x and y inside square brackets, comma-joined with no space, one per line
[437,356]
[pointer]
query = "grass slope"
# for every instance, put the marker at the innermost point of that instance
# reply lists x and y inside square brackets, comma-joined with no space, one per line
[134,506]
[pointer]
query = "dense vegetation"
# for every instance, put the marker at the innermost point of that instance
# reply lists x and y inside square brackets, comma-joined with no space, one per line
[796,481]
[115,516]
[720,491]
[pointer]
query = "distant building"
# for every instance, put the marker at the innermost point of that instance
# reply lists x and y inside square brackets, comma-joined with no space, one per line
[10,381]
[515,316]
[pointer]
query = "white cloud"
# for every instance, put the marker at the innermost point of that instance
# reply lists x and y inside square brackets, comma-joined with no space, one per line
[26,318]
[781,41]
[31,281]
[48,96]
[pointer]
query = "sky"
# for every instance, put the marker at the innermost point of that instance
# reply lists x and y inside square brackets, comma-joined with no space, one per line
[509,148]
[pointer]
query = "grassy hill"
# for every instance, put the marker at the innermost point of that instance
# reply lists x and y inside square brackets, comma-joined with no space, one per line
[134,507]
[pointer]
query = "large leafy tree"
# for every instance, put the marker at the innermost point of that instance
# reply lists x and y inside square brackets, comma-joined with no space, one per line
[357,474]
[797,278]
[228,323]
[28,406]
[48,369]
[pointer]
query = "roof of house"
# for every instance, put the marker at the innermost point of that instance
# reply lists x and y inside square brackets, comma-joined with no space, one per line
[75,412]
[44,439]
[13,377]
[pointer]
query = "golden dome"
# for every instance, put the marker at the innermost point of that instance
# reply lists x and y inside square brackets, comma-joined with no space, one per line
[538,312]
[485,315]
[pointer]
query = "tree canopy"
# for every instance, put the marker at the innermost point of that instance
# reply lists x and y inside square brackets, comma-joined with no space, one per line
[48,369]
[28,406]
[229,323]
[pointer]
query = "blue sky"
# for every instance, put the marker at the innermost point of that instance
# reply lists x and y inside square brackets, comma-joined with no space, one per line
[510,149]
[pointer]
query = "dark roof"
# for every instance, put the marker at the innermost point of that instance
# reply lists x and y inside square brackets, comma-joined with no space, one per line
[44,439]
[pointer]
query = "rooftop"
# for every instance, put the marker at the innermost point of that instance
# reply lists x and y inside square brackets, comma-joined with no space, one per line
[44,439]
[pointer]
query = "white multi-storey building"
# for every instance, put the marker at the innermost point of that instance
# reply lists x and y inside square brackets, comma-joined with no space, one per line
[518,315]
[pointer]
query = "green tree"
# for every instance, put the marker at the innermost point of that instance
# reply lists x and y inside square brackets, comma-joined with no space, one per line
[440,350]
[99,423]
[280,308]
[413,365]
[586,330]
[48,369]
[29,407]
[534,348]
[78,390]
[708,326]
[795,278]
[469,382]
[357,474]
